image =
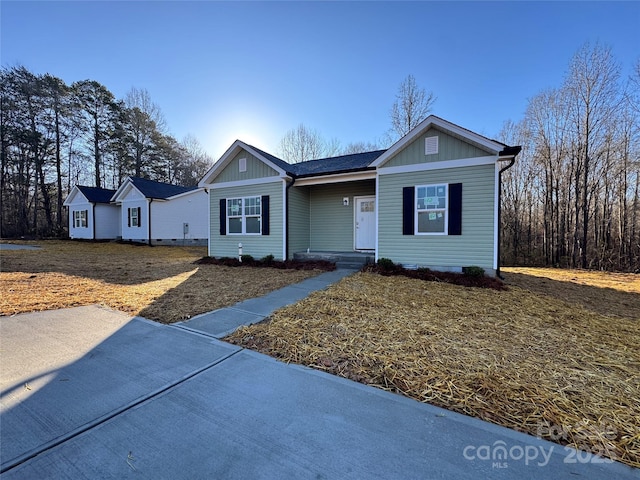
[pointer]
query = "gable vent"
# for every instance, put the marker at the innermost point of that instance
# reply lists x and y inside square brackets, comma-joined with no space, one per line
[242,163]
[431,145]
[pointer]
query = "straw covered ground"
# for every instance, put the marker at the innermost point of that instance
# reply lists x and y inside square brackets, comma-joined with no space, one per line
[554,357]
[159,283]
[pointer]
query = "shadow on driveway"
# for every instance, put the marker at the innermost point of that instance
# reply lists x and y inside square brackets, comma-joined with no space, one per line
[90,393]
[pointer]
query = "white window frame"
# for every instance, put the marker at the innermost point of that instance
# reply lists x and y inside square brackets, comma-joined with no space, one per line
[80,219]
[438,210]
[132,217]
[244,215]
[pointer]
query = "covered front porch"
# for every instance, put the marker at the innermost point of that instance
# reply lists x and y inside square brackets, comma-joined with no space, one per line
[332,219]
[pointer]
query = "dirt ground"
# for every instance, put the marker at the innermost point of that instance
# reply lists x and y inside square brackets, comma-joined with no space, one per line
[556,355]
[159,283]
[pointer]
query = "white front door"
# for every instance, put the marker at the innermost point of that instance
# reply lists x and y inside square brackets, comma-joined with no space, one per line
[365,223]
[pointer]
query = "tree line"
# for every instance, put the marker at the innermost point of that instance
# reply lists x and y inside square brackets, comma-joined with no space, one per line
[572,197]
[54,136]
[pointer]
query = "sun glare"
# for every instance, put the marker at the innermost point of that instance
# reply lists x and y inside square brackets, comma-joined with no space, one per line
[249,125]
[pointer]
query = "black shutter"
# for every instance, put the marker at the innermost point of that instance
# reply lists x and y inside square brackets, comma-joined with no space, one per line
[455,209]
[408,210]
[223,216]
[140,218]
[264,201]
[128,217]
[86,219]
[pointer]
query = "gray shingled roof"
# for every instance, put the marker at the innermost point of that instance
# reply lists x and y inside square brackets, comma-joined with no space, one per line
[341,164]
[97,195]
[324,166]
[159,190]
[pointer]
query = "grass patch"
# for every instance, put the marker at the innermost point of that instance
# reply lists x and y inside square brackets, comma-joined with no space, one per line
[159,283]
[518,357]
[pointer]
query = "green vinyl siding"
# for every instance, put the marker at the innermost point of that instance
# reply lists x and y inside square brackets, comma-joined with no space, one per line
[449,148]
[256,245]
[331,223]
[299,231]
[256,168]
[476,244]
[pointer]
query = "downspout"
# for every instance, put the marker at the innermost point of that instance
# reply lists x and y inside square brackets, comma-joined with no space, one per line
[93,219]
[149,213]
[503,169]
[286,205]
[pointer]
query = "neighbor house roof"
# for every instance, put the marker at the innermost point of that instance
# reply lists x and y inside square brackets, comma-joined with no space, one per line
[96,194]
[159,190]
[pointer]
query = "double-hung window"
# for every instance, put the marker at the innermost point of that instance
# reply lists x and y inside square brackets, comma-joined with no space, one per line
[80,218]
[134,217]
[244,216]
[431,209]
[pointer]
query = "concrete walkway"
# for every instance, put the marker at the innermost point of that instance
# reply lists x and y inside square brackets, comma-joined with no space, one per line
[225,321]
[91,393]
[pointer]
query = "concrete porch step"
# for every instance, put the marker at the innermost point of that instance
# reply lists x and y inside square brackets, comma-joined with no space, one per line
[353,260]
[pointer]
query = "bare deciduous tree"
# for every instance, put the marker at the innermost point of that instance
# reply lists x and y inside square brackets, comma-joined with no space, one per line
[412,105]
[359,147]
[303,143]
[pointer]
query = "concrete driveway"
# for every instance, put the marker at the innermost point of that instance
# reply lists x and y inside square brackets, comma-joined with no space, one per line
[91,393]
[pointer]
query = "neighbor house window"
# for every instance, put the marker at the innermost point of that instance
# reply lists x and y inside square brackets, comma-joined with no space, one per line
[431,209]
[133,217]
[80,218]
[244,216]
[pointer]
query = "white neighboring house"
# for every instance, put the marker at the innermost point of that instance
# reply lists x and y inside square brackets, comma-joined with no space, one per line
[91,215]
[160,213]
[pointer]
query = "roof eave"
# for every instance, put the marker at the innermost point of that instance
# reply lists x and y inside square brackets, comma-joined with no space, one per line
[509,152]
[336,172]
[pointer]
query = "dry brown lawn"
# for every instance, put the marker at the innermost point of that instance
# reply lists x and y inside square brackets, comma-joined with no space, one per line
[556,355]
[159,283]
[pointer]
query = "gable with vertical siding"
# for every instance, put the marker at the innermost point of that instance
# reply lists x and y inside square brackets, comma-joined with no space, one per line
[255,168]
[449,148]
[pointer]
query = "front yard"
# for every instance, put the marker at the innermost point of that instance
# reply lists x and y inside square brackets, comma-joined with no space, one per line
[159,283]
[556,355]
[553,358]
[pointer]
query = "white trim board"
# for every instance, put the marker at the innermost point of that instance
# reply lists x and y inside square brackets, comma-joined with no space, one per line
[336,178]
[245,183]
[446,164]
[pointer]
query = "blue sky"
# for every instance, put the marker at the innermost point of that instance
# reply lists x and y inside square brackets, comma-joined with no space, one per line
[253,70]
